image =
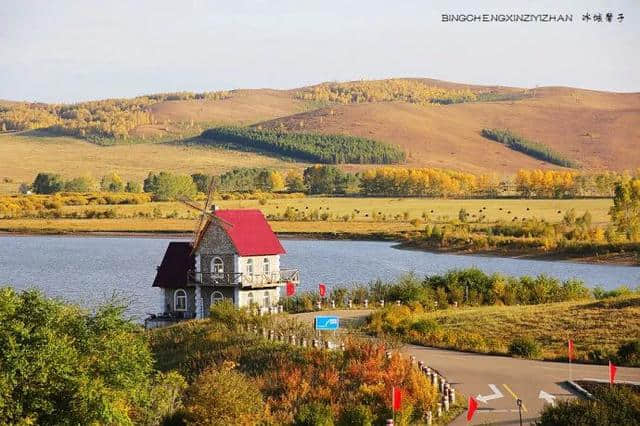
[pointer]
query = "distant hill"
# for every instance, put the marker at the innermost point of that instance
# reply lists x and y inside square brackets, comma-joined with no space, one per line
[436,123]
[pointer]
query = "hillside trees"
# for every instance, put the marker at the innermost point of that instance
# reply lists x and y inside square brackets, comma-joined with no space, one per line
[311,147]
[406,90]
[534,149]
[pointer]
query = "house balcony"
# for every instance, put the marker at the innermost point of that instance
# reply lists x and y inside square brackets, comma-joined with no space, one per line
[233,279]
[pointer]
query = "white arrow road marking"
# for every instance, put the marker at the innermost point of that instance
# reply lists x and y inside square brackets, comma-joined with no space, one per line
[496,395]
[547,397]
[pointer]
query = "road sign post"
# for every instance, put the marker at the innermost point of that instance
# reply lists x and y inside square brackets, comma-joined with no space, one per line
[326,323]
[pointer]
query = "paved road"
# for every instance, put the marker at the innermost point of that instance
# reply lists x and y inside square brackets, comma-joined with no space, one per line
[511,378]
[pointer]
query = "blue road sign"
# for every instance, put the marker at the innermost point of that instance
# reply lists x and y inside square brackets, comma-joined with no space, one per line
[329,323]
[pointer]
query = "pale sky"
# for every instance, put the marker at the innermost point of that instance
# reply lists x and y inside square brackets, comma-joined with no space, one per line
[67,51]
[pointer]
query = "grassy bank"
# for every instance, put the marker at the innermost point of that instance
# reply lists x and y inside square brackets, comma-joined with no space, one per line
[598,328]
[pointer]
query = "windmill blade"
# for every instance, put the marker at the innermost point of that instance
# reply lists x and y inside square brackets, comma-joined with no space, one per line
[209,192]
[193,206]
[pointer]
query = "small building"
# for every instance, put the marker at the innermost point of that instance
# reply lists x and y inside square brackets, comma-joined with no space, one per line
[235,256]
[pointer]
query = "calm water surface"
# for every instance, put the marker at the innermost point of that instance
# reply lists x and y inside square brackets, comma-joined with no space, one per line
[87,270]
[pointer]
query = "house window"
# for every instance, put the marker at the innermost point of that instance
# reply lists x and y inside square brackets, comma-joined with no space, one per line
[217,267]
[265,266]
[266,299]
[216,297]
[249,266]
[250,298]
[180,300]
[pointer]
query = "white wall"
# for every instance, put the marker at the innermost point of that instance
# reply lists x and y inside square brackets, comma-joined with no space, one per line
[258,296]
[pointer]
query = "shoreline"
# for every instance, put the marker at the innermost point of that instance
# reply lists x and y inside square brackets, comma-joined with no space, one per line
[614,259]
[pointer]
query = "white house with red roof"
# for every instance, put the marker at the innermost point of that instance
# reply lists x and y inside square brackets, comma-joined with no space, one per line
[235,257]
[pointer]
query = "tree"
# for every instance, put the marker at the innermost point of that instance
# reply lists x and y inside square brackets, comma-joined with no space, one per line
[133,186]
[166,186]
[202,182]
[625,212]
[80,184]
[294,182]
[223,397]
[62,365]
[112,183]
[47,183]
[326,180]
[276,181]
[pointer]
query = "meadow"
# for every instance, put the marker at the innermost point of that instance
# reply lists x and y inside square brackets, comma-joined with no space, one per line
[344,214]
[598,328]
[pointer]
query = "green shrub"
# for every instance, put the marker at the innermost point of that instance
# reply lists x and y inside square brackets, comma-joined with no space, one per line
[223,397]
[525,347]
[425,326]
[612,406]
[314,414]
[359,415]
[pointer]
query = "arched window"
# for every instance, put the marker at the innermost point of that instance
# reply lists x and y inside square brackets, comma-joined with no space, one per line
[266,267]
[180,300]
[216,297]
[217,266]
[250,298]
[266,301]
[249,266]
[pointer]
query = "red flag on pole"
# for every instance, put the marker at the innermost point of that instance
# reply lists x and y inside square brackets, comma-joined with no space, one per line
[473,406]
[396,398]
[570,350]
[612,372]
[291,288]
[322,289]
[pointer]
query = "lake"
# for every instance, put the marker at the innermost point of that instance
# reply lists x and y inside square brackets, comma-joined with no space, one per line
[88,270]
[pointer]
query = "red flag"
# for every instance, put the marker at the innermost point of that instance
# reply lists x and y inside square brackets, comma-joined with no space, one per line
[571,350]
[396,398]
[291,288]
[322,289]
[473,406]
[612,372]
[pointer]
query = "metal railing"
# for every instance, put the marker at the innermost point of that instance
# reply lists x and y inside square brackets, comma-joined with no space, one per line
[244,280]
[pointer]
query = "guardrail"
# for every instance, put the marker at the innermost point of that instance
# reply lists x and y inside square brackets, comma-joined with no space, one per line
[245,280]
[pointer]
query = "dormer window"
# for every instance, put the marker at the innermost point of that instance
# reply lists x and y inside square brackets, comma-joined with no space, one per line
[217,266]
[266,267]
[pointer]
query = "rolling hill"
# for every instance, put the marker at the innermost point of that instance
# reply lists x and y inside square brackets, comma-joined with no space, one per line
[599,130]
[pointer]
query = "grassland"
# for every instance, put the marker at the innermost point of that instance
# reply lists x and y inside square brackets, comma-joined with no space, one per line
[598,328]
[361,223]
[24,155]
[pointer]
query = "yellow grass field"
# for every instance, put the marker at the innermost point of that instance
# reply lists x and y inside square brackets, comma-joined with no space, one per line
[363,208]
[591,324]
[23,156]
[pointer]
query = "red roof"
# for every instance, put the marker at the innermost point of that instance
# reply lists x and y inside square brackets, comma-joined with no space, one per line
[250,233]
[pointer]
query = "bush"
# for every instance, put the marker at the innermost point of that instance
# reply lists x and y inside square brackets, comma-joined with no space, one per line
[314,414]
[359,415]
[629,353]
[224,397]
[612,406]
[524,347]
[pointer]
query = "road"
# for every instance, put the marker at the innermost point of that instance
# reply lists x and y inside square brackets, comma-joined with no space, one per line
[502,379]
[513,378]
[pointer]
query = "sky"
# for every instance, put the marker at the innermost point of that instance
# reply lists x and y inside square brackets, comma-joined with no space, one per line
[69,51]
